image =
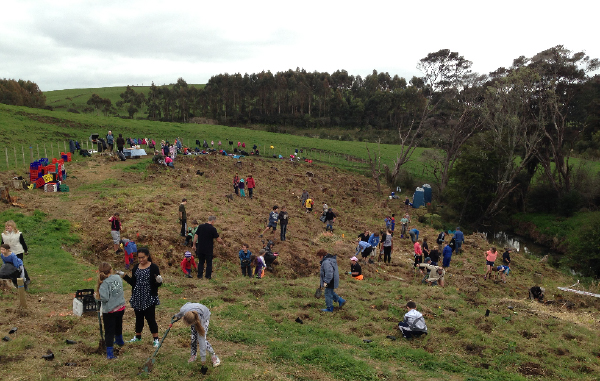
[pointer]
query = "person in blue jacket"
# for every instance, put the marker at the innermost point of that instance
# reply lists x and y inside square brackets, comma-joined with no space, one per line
[245,261]
[459,237]
[373,243]
[414,235]
[447,256]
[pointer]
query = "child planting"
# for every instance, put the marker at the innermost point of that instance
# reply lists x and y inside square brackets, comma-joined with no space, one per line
[187,264]
[197,316]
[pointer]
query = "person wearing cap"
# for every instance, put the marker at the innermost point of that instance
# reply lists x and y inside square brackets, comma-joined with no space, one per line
[435,273]
[330,279]
[187,264]
[242,187]
[355,269]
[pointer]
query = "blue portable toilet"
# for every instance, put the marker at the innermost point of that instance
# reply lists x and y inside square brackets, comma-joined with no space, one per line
[419,198]
[428,195]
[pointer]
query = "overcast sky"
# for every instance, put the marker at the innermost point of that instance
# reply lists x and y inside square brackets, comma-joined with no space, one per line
[62,44]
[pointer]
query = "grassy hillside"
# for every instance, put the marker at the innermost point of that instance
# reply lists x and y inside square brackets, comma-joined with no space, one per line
[77,98]
[21,128]
[253,326]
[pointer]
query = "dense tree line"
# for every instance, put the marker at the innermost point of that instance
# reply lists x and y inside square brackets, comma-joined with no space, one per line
[517,122]
[21,93]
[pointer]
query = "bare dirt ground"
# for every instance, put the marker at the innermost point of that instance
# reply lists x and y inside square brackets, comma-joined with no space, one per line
[148,200]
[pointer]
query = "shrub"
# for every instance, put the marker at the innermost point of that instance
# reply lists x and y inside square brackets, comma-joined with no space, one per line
[569,203]
[541,198]
[584,249]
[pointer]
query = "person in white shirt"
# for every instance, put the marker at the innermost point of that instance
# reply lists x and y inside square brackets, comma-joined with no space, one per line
[413,324]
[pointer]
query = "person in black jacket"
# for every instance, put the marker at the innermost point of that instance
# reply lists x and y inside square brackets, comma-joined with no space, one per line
[145,279]
[120,143]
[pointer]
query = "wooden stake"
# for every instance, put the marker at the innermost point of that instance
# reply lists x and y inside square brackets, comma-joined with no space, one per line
[38,149]
[45,152]
[7,165]
[23,153]
[22,299]
[16,164]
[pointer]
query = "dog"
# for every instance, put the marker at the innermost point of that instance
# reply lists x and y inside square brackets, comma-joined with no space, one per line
[229,197]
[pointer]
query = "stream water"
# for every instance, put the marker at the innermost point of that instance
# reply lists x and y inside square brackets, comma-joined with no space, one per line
[521,244]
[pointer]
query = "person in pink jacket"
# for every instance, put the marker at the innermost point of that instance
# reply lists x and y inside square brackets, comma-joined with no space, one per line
[490,258]
[418,254]
[250,184]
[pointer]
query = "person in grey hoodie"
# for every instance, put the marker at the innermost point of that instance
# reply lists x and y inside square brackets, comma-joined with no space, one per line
[330,279]
[413,324]
[110,293]
[197,316]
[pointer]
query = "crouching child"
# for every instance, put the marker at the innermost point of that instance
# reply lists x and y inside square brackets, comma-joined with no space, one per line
[187,264]
[413,324]
[8,257]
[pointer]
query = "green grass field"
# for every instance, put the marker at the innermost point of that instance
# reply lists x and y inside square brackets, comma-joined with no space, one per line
[30,130]
[27,134]
[77,98]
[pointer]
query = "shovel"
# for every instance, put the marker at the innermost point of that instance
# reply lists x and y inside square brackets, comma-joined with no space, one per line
[102,343]
[149,364]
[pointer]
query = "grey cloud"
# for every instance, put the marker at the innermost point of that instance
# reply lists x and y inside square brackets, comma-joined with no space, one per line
[153,37]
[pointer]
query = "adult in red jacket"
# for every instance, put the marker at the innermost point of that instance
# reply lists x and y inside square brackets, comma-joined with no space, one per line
[250,184]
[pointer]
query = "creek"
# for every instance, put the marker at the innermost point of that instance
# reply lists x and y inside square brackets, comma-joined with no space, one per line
[520,244]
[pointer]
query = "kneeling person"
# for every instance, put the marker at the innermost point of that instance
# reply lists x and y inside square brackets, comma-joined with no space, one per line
[413,324]
[355,269]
